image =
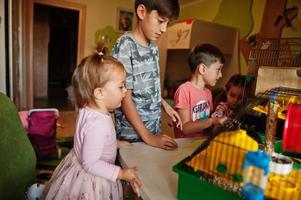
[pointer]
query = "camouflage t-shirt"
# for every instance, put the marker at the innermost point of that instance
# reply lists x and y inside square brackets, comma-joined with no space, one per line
[143,78]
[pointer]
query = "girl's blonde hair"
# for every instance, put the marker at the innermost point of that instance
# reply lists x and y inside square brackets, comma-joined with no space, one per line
[93,71]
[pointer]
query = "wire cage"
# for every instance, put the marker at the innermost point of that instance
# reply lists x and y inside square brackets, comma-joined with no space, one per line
[282,92]
[222,160]
[222,163]
[283,95]
[273,52]
[276,52]
[219,164]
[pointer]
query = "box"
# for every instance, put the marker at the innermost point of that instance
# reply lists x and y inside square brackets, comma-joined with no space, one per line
[191,187]
[181,38]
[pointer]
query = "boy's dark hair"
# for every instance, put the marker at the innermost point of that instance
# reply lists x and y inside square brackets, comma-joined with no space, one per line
[165,8]
[204,54]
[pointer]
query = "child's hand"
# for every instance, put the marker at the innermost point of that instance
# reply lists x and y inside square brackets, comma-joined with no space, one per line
[218,120]
[130,176]
[173,115]
[136,188]
[161,141]
[121,143]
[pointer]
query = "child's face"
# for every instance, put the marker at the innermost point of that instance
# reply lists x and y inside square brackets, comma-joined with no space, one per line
[153,25]
[234,95]
[212,73]
[114,90]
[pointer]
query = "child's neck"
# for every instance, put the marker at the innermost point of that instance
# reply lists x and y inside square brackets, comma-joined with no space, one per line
[98,108]
[198,82]
[140,36]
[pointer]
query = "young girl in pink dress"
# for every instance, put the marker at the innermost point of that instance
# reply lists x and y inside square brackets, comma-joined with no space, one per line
[88,171]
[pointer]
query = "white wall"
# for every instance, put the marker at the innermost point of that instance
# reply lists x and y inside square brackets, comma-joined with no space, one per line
[2,49]
[99,14]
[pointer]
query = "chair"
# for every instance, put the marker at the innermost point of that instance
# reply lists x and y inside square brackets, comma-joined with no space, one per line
[17,157]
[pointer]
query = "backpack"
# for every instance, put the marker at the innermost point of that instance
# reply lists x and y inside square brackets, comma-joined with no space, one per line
[42,131]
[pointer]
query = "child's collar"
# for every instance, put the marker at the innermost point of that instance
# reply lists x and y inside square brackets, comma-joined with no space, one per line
[198,82]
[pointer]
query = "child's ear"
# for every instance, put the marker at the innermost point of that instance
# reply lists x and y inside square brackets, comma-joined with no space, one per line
[202,68]
[98,93]
[141,11]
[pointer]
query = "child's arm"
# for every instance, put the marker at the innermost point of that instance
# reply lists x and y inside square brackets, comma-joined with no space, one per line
[172,113]
[93,149]
[122,143]
[190,127]
[130,111]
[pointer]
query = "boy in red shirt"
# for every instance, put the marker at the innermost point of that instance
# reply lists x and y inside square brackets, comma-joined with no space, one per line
[193,100]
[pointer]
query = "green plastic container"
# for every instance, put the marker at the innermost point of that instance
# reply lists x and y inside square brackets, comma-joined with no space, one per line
[191,187]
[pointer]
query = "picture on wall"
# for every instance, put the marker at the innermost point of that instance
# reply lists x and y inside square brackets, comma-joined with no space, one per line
[124,19]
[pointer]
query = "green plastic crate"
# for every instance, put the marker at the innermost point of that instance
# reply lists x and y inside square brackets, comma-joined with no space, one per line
[191,187]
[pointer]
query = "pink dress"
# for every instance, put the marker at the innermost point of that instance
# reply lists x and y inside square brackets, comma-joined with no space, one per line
[88,171]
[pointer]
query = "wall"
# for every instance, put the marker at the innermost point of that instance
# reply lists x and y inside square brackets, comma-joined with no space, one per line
[205,10]
[235,13]
[296,23]
[40,52]
[99,14]
[245,15]
[226,12]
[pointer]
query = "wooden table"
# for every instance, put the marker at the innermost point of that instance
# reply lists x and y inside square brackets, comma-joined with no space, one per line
[155,167]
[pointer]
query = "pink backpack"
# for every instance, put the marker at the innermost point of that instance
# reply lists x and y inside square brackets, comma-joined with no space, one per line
[42,131]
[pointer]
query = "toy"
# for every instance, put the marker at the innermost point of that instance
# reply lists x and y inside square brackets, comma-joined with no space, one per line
[225,154]
[256,169]
[284,187]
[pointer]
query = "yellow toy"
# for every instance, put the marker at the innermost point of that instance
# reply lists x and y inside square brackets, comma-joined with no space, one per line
[283,101]
[284,187]
[225,154]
